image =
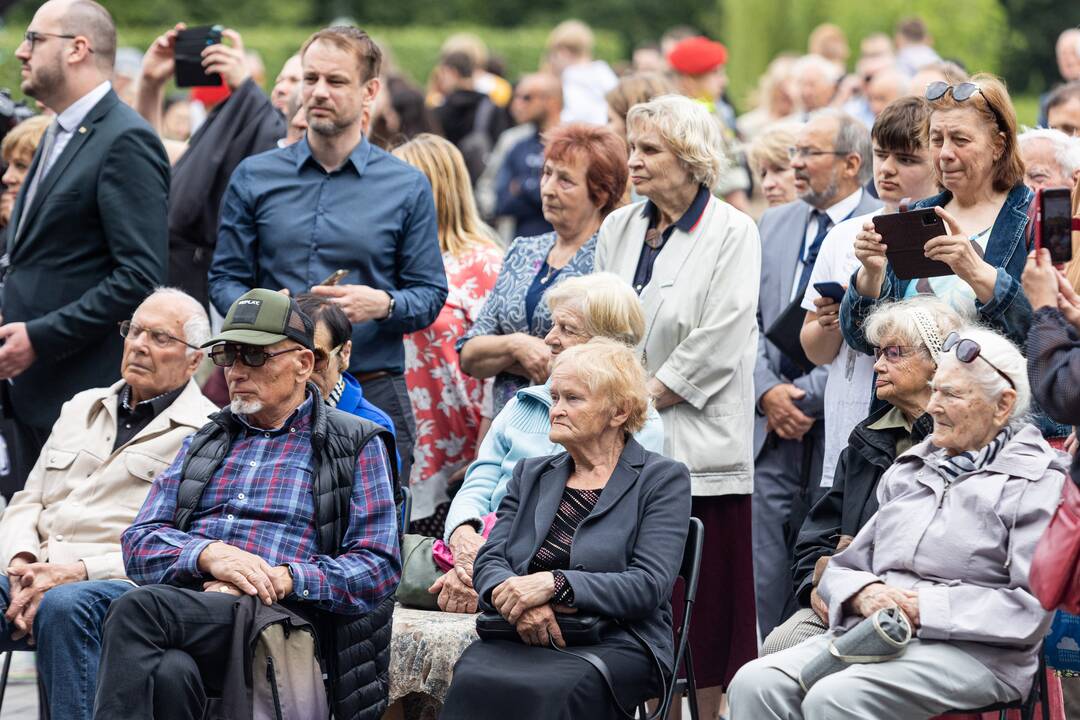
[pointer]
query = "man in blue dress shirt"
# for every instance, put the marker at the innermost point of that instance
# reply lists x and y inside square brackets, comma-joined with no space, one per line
[293,216]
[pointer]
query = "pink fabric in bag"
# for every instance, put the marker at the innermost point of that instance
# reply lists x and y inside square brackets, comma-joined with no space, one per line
[440,551]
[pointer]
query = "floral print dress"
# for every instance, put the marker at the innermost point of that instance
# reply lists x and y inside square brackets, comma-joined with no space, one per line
[446,402]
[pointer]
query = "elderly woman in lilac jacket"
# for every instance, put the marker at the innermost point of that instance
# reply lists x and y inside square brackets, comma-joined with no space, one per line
[951,545]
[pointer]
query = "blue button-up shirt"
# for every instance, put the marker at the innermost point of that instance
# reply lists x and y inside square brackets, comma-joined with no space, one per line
[288,223]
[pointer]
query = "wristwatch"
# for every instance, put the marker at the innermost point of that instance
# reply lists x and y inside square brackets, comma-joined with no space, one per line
[390,309]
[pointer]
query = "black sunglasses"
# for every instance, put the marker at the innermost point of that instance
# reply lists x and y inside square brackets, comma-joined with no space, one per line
[962,93]
[251,355]
[968,350]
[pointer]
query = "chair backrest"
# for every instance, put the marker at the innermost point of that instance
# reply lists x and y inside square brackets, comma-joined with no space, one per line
[691,561]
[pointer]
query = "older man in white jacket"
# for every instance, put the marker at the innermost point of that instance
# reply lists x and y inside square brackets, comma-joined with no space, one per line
[60,536]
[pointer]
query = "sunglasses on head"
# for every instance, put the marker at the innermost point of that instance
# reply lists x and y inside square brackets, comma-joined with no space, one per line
[962,93]
[968,350]
[226,355]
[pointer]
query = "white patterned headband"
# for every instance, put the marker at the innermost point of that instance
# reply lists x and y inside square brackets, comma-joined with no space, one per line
[928,331]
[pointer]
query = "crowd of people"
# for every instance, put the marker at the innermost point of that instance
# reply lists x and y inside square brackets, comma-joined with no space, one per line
[254,345]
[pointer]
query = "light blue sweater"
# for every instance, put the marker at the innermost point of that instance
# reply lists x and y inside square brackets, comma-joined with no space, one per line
[520,430]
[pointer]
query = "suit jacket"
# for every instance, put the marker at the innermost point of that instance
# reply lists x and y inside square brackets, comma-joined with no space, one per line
[783,234]
[625,554]
[700,335]
[91,246]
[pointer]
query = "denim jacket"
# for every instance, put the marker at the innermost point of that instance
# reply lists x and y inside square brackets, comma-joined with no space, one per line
[1008,311]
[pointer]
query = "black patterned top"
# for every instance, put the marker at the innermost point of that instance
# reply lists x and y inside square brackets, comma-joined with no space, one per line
[554,552]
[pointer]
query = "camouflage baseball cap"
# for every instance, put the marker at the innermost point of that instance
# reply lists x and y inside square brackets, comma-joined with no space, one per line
[265,317]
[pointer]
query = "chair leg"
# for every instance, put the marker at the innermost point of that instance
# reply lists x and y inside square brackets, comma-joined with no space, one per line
[4,676]
[691,684]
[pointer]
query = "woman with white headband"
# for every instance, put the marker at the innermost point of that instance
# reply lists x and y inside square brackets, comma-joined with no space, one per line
[907,339]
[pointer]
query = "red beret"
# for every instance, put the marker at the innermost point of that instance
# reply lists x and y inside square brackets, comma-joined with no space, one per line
[696,56]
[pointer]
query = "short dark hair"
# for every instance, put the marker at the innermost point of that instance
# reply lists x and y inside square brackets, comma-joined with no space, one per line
[913,29]
[92,20]
[351,39]
[323,310]
[902,126]
[459,62]
[1063,94]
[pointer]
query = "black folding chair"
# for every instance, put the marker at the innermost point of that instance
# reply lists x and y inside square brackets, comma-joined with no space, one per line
[1040,690]
[43,699]
[689,572]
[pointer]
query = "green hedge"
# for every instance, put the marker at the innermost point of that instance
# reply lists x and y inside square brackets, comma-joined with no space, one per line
[415,49]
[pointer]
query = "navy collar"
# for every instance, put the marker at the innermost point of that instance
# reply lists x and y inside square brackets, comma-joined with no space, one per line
[689,218]
[358,158]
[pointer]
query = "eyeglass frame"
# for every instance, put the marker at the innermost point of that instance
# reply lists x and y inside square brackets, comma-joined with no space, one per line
[945,88]
[239,353]
[953,342]
[33,37]
[125,331]
[794,152]
[884,350]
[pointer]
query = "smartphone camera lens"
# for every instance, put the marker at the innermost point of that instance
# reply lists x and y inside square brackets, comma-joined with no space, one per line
[929,220]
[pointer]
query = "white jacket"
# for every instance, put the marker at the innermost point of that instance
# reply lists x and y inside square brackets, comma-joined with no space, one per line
[700,335]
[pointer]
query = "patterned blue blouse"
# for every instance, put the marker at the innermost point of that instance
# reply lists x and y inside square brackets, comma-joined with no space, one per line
[504,311]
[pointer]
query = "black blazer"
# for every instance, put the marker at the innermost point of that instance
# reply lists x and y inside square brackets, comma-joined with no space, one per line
[626,553]
[91,246]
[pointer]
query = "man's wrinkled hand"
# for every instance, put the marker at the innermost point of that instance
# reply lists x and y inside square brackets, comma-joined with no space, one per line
[248,572]
[784,418]
[360,302]
[16,354]
[29,582]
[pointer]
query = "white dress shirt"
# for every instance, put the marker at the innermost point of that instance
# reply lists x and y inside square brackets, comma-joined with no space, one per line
[837,213]
[70,120]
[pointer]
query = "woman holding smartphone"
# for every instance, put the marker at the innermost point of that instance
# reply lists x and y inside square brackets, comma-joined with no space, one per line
[984,207]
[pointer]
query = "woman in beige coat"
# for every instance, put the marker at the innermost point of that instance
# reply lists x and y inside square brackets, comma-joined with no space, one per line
[694,261]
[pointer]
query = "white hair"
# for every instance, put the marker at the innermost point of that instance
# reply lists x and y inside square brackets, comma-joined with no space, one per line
[689,129]
[898,320]
[196,322]
[817,64]
[1066,148]
[999,352]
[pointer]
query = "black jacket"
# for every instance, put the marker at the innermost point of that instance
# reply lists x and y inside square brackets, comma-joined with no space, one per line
[1053,357]
[90,248]
[355,649]
[852,500]
[245,124]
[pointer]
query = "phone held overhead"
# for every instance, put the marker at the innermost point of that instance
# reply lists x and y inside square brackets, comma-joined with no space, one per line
[190,44]
[1054,224]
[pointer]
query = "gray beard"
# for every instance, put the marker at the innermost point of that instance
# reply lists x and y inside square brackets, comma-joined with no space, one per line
[245,407]
[823,199]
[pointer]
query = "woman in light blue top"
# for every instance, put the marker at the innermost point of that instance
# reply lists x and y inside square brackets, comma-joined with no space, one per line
[598,305]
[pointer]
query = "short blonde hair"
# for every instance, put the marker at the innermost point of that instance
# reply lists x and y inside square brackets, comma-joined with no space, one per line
[689,129]
[573,36]
[24,138]
[608,306]
[771,146]
[459,222]
[612,371]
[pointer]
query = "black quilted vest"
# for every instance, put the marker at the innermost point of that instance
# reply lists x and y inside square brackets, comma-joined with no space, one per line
[355,649]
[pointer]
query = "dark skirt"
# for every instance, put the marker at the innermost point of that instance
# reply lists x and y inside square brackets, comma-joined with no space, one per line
[723,629]
[498,679]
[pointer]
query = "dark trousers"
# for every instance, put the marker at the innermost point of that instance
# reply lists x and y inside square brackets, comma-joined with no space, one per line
[390,394]
[24,445]
[164,650]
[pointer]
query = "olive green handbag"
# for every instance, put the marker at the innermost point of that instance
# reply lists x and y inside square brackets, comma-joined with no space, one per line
[418,573]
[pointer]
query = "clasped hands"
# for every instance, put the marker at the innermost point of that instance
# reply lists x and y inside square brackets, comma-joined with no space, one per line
[238,572]
[29,581]
[525,602]
[879,596]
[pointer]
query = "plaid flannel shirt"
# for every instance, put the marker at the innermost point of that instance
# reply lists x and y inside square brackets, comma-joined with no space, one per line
[260,500]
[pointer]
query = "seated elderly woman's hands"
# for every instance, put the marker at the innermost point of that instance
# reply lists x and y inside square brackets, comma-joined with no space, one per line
[538,626]
[514,596]
[879,596]
[455,590]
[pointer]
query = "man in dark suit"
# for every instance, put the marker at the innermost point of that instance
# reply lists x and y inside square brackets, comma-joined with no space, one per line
[832,161]
[87,237]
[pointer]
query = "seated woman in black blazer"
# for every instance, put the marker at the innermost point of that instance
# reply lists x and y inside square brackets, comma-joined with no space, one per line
[598,529]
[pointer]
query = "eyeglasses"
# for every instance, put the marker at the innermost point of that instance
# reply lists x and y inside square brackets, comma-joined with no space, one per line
[805,152]
[962,93]
[893,353]
[226,355]
[160,338]
[322,357]
[968,350]
[33,37]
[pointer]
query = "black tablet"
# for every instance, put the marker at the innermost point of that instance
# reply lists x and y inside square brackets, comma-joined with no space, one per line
[905,234]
